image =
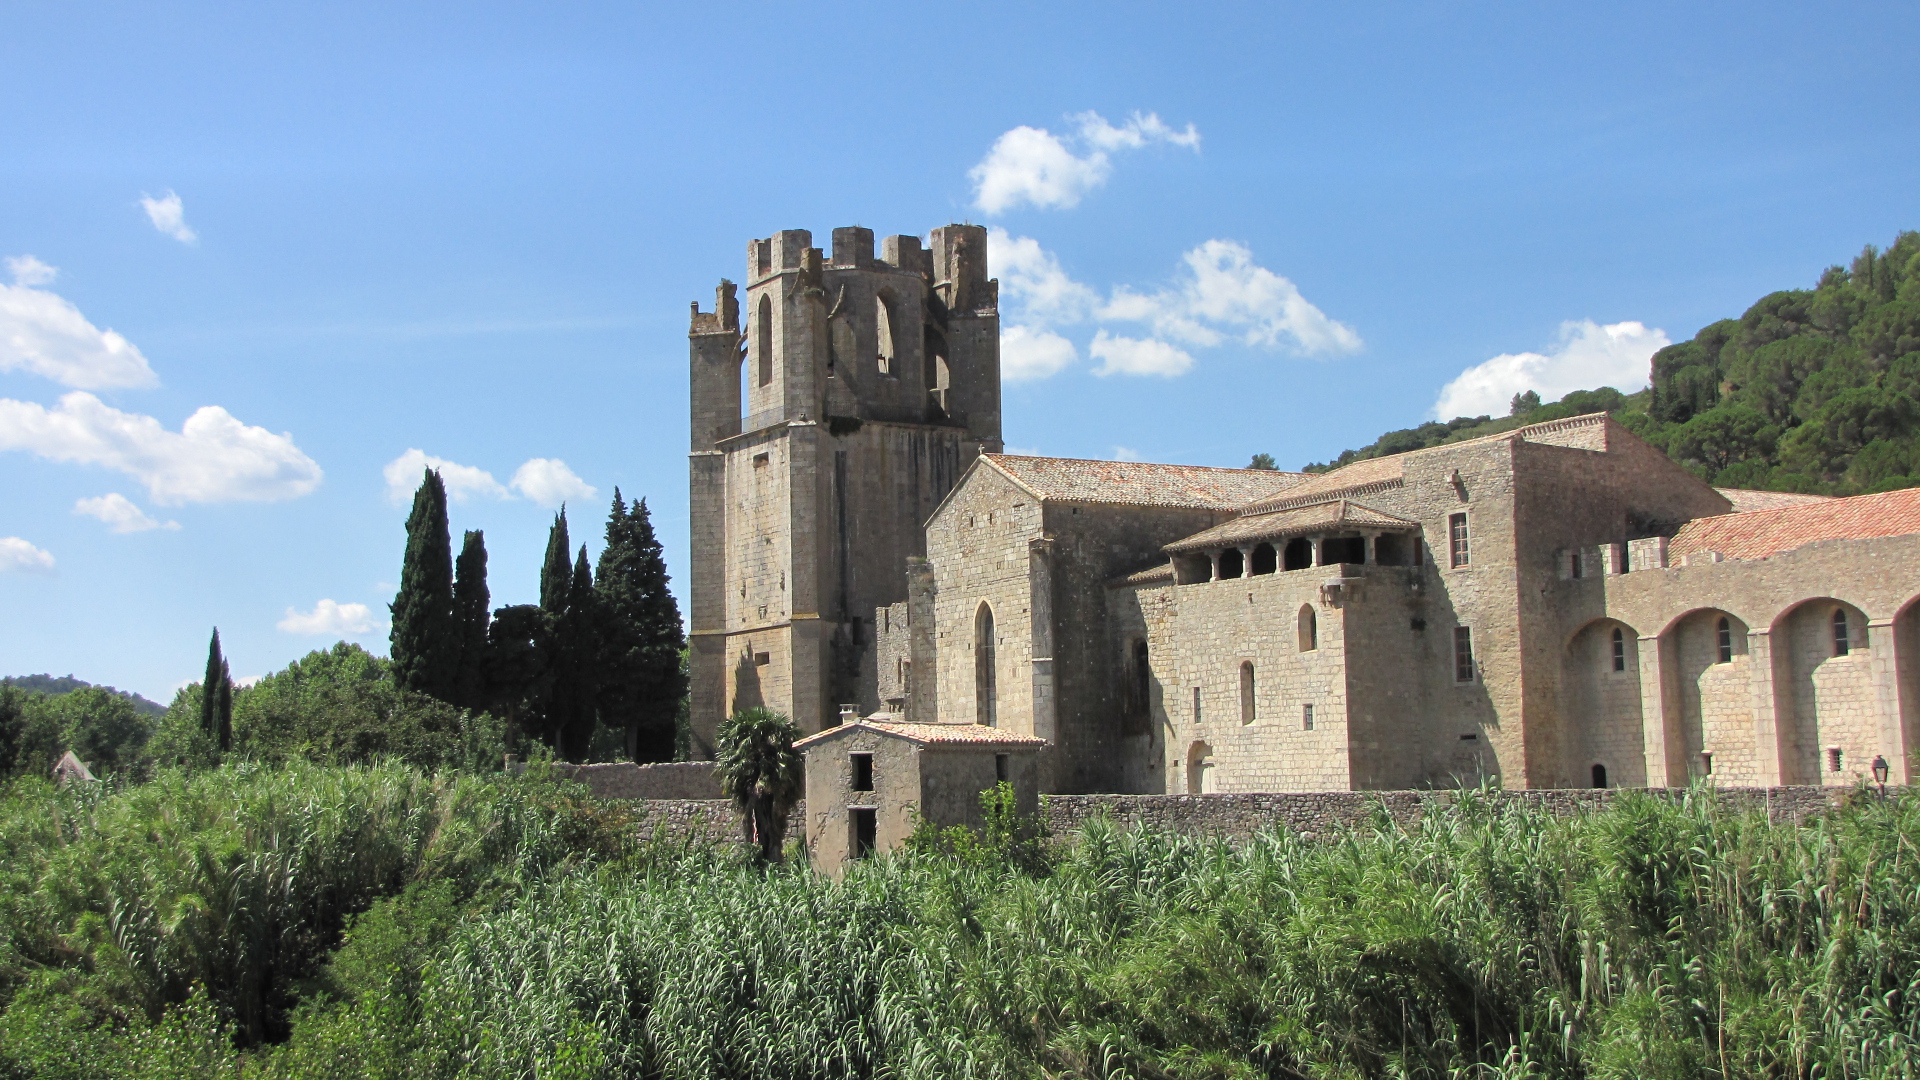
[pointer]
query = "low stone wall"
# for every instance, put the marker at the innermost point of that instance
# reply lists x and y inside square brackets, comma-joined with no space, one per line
[1316,814]
[678,780]
[712,821]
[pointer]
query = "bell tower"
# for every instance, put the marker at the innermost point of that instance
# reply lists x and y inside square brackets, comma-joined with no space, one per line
[826,427]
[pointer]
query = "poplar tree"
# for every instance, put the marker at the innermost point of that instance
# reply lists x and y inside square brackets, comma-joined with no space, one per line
[470,599]
[216,697]
[641,680]
[426,642]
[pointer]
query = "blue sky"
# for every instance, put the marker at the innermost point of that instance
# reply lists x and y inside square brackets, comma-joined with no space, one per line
[328,235]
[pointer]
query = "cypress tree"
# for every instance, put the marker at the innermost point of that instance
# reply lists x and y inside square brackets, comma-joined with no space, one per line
[470,599]
[555,576]
[426,642]
[216,697]
[642,683]
[579,639]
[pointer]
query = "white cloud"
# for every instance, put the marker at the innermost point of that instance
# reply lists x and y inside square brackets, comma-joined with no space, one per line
[463,481]
[1032,282]
[1128,356]
[548,482]
[168,215]
[1225,293]
[44,334]
[1030,353]
[212,458]
[1034,166]
[241,682]
[328,617]
[120,514]
[27,270]
[18,556]
[1023,451]
[1125,453]
[1588,356]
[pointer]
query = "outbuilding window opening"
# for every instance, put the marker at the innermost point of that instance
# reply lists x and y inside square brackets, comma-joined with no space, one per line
[1841,644]
[1723,631]
[1265,560]
[1002,768]
[1833,759]
[1599,775]
[1706,763]
[1619,650]
[862,770]
[1306,717]
[1299,555]
[1309,629]
[1246,692]
[1343,549]
[1462,654]
[1230,563]
[864,825]
[1457,539]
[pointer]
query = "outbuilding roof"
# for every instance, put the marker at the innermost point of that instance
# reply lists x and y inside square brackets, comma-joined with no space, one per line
[1141,483]
[1335,515]
[933,734]
[1745,499]
[1757,534]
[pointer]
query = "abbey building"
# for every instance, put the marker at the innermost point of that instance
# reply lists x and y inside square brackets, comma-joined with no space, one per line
[1559,605]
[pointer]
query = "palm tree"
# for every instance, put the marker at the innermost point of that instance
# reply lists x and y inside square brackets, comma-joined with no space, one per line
[760,770]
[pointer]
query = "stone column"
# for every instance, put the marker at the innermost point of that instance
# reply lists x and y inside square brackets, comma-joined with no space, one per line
[1658,701]
[1319,552]
[1769,755]
[1246,562]
[1884,643]
[1213,566]
[1040,609]
[1372,554]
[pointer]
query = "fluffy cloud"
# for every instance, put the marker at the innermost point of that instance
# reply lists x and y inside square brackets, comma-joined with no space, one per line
[463,481]
[1125,453]
[1032,282]
[1588,355]
[212,458]
[44,334]
[120,514]
[18,556]
[328,617]
[1225,293]
[548,482]
[1034,166]
[168,215]
[1030,353]
[1128,356]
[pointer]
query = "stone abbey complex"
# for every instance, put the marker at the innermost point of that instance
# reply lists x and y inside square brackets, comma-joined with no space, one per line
[1555,606]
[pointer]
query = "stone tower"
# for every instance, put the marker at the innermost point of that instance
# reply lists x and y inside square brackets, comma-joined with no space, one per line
[824,434]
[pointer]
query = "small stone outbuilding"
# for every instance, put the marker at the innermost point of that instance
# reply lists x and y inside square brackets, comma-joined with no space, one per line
[870,782]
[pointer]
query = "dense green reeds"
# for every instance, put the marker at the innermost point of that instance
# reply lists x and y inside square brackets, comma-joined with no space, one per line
[1659,938]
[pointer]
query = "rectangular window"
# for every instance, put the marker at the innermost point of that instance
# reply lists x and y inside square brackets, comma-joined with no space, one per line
[1002,768]
[1462,654]
[862,771]
[1575,568]
[1833,759]
[1196,705]
[1706,763]
[1306,718]
[863,823]
[1457,539]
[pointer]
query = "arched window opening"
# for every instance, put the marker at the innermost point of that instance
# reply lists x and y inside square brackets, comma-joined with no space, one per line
[1599,775]
[1246,692]
[1299,554]
[1619,650]
[1723,631]
[883,330]
[1265,560]
[1841,642]
[763,339]
[1309,629]
[985,695]
[1230,563]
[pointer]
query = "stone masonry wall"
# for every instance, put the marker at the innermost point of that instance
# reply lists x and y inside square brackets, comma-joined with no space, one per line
[664,780]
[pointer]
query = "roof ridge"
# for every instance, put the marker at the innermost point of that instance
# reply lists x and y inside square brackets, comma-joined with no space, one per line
[1295,502]
[1152,464]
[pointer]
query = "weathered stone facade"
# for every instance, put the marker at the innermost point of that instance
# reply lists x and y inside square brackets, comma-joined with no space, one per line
[1559,606]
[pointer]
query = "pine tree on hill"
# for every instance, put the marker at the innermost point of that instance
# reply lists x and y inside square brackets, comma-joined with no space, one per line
[425,639]
[470,599]
[642,683]
[216,697]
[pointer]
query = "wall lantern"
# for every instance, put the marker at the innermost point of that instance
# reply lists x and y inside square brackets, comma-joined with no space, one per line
[1880,773]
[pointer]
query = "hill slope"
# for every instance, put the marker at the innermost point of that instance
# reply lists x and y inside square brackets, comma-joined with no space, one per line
[1812,390]
[66,684]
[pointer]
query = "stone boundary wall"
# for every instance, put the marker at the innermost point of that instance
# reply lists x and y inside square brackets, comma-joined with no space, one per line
[1315,814]
[671,780]
[711,821]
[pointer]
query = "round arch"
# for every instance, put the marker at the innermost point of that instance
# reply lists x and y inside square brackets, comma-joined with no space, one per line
[1825,694]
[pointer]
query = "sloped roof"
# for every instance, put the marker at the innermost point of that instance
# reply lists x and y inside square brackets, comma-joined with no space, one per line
[1757,534]
[1335,515]
[1160,572]
[933,734]
[1141,483]
[1745,499]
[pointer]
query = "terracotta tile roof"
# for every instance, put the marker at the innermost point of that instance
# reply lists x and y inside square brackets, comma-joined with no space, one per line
[1336,515]
[1757,534]
[1162,572]
[1745,499]
[933,734]
[1140,483]
[1373,474]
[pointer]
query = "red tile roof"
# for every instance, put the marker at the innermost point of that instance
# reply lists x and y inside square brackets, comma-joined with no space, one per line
[1141,483]
[1757,534]
[1337,515]
[1745,499]
[933,734]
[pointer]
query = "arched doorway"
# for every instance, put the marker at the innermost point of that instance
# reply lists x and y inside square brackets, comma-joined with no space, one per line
[1200,780]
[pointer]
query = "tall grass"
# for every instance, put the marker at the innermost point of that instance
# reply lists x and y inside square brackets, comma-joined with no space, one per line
[1655,939]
